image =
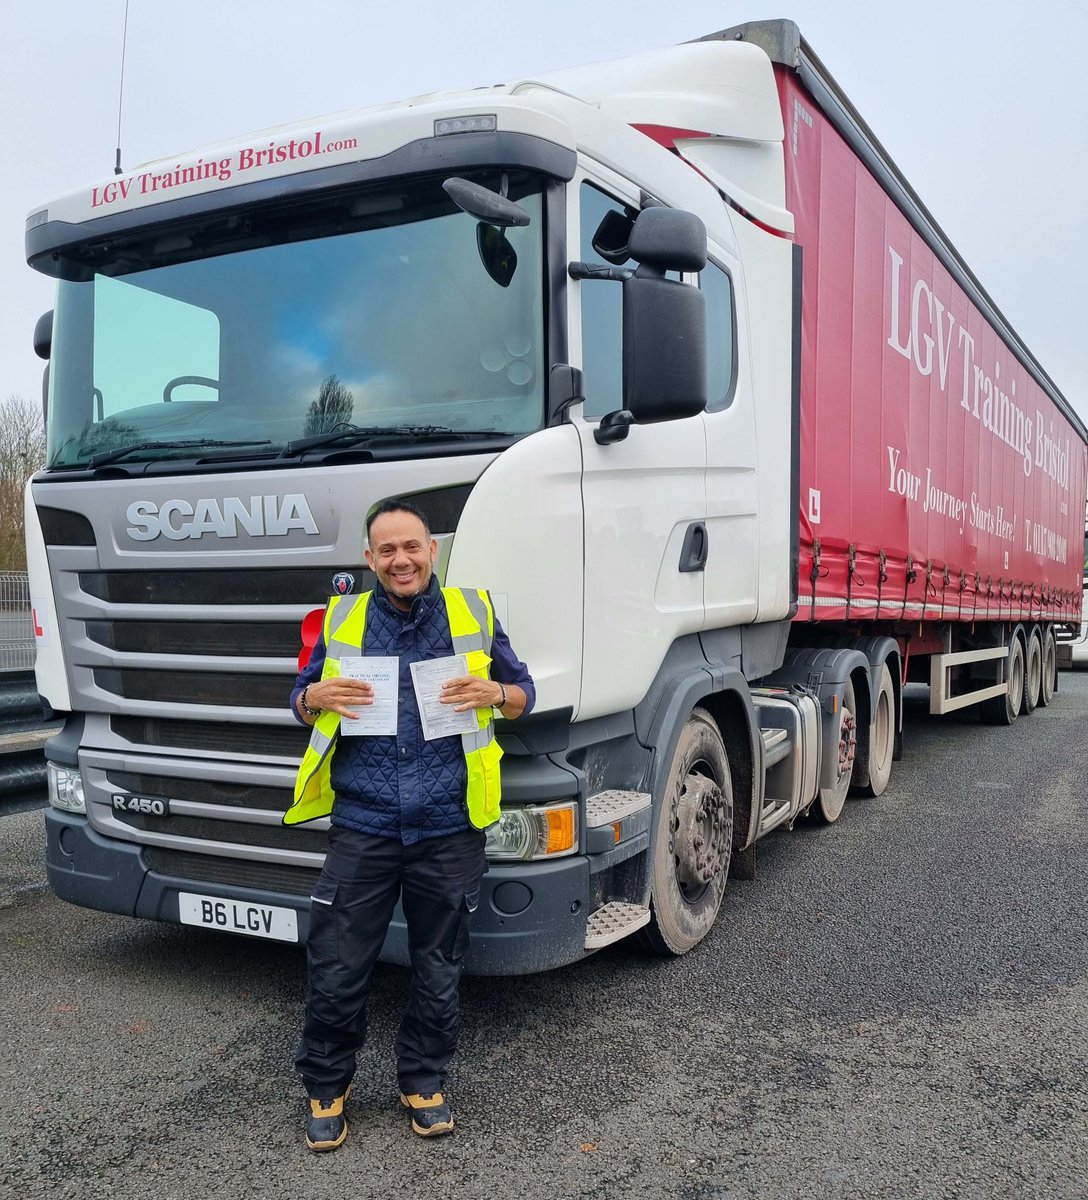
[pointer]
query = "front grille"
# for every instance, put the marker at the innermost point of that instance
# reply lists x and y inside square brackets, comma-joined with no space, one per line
[222,737]
[203,791]
[222,688]
[293,585]
[265,639]
[238,833]
[233,872]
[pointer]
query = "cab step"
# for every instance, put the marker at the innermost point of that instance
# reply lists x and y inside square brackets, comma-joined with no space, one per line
[614,921]
[606,807]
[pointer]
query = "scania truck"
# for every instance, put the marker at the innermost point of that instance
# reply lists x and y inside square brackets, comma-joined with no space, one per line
[679,366]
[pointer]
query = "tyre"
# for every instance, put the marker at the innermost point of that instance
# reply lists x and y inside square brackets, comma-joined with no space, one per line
[1003,710]
[881,737]
[693,840]
[829,803]
[1033,673]
[1049,681]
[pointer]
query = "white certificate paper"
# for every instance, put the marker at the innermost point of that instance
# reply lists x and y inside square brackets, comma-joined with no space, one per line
[440,720]
[380,718]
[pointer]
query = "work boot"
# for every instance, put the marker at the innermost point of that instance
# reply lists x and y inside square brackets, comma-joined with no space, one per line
[326,1127]
[431,1114]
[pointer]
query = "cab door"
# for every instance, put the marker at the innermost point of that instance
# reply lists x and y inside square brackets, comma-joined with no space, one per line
[644,497]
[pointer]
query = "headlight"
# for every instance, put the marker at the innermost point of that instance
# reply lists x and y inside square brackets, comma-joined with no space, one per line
[536,831]
[66,789]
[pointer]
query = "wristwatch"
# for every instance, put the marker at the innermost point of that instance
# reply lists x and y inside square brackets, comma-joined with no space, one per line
[314,712]
[502,688]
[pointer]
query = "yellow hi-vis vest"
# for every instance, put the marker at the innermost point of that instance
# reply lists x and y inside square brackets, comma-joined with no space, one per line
[472,629]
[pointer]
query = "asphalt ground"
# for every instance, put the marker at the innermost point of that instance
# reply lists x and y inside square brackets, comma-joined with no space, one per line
[894,1007]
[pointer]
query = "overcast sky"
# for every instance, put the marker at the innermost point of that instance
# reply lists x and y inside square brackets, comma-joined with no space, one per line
[981,104]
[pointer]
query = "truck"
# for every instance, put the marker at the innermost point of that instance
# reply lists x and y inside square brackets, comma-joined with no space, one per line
[679,367]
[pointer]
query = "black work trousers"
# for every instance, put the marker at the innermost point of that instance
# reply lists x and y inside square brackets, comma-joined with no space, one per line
[438,881]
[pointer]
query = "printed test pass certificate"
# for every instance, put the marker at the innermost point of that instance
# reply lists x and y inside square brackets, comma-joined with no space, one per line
[440,720]
[380,718]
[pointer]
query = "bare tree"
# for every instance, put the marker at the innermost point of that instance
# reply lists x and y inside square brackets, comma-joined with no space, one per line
[22,452]
[333,406]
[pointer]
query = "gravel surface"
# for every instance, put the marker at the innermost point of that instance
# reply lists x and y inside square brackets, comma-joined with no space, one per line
[894,1007]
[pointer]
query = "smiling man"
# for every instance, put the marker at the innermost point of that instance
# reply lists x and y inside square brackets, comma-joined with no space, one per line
[408,814]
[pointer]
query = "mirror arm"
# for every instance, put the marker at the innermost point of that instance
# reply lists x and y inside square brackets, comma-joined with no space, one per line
[613,427]
[584,270]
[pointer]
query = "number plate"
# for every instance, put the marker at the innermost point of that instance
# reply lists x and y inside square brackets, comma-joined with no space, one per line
[236,916]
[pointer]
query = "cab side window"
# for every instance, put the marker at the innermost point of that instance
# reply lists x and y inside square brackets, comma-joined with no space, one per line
[721,337]
[602,312]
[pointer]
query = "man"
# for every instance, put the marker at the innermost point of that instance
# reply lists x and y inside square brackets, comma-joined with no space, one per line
[408,816]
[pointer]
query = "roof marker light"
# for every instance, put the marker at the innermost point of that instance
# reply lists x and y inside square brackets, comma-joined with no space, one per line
[478,123]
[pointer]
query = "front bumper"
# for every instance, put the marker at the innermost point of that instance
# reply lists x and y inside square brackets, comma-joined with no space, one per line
[532,916]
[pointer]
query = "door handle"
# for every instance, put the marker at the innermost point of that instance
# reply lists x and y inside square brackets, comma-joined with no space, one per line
[694,550]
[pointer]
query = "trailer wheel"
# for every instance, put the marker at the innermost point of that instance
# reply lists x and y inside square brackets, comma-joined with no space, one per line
[1003,710]
[881,736]
[1050,668]
[1033,673]
[693,841]
[829,804]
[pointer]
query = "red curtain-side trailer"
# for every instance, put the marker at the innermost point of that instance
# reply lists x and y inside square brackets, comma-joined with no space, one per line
[939,481]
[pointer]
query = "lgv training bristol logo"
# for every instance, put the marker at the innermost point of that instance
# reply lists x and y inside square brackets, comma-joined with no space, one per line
[221,170]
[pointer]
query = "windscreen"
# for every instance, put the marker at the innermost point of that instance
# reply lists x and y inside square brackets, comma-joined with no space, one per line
[386,309]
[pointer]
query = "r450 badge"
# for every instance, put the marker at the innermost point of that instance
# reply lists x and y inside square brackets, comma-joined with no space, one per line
[149,806]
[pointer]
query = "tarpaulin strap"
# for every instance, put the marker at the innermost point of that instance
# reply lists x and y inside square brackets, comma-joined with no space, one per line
[908,578]
[813,575]
[963,588]
[881,577]
[929,586]
[944,589]
[851,571]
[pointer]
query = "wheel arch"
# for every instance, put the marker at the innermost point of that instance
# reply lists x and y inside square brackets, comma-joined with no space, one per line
[724,694]
[825,671]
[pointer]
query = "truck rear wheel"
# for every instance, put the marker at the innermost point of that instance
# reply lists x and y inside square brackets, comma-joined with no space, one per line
[881,736]
[693,841]
[1049,683]
[1003,710]
[1033,673]
[831,800]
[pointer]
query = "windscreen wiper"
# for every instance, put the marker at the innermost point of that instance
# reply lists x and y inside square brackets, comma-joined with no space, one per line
[359,433]
[108,456]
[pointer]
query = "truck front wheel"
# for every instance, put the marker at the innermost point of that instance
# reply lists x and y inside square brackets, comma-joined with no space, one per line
[693,841]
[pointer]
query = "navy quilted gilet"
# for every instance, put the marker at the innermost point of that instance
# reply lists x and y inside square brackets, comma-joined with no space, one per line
[403,787]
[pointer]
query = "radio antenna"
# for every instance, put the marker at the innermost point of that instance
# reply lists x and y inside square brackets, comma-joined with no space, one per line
[121,93]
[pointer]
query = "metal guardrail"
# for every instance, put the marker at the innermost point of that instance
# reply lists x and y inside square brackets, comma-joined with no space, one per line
[23,733]
[23,730]
[16,623]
